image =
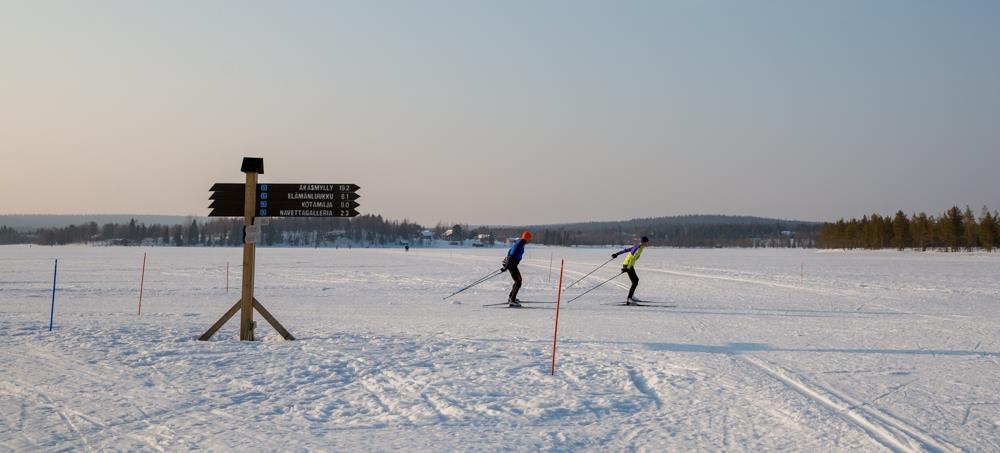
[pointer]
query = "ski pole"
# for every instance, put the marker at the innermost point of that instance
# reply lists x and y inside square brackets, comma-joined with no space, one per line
[481,280]
[591,289]
[52,311]
[486,277]
[591,272]
[477,282]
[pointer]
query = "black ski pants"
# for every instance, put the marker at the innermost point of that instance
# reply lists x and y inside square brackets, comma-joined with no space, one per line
[516,275]
[635,281]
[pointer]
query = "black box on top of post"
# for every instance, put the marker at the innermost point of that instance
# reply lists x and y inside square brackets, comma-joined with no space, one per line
[253,165]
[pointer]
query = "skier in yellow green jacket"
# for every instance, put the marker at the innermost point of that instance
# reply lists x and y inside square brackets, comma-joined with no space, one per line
[628,267]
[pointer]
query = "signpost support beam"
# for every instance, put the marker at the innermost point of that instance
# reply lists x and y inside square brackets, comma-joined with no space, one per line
[221,322]
[246,300]
[272,320]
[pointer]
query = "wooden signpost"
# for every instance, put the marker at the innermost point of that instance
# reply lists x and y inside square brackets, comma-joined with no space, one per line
[253,200]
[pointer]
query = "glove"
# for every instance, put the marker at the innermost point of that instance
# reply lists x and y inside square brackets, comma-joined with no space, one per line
[503,269]
[614,255]
[624,269]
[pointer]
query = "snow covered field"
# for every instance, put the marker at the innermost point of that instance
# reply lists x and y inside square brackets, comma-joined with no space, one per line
[766,350]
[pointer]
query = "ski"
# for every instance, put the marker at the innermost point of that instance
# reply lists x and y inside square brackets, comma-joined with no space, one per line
[643,304]
[523,302]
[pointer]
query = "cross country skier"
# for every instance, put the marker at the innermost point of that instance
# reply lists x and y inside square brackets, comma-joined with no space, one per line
[510,263]
[628,266]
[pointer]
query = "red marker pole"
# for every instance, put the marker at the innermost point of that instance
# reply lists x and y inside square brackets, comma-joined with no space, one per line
[555,331]
[142,281]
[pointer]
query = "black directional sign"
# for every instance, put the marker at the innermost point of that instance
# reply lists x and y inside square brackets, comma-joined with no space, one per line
[287,200]
[267,212]
[340,196]
[287,204]
[318,188]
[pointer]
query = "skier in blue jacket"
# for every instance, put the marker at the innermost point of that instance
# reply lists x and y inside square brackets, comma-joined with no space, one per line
[510,263]
[628,267]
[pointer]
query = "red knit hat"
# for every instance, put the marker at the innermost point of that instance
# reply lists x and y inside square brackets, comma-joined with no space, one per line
[526,235]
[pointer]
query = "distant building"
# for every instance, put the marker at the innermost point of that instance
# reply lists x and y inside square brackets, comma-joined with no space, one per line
[483,240]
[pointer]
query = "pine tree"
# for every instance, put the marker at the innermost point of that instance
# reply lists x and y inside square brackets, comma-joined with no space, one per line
[901,237]
[987,230]
[916,231]
[971,233]
[950,229]
[886,233]
[853,234]
[864,231]
[996,228]
[924,224]
[193,235]
[133,233]
[840,238]
[178,235]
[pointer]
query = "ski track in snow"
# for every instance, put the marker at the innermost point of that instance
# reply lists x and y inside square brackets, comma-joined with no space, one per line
[870,352]
[893,433]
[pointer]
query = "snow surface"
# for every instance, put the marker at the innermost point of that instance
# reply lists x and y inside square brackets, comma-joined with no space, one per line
[766,350]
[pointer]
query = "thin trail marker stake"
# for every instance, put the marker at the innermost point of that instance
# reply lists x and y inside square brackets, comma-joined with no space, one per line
[142,281]
[555,331]
[52,310]
[802,273]
[550,267]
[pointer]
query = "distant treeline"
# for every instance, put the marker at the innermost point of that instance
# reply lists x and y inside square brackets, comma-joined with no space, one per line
[373,230]
[368,229]
[682,231]
[954,230]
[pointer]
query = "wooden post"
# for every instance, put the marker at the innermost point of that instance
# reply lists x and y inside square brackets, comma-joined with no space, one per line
[246,299]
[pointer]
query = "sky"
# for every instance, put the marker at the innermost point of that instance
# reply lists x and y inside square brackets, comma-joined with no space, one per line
[511,112]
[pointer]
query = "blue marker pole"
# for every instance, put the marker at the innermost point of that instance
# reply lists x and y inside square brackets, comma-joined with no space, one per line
[52,311]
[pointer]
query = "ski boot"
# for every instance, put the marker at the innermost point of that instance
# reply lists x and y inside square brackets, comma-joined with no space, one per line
[513,303]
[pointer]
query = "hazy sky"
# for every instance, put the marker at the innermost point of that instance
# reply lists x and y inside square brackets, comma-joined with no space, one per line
[506,112]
